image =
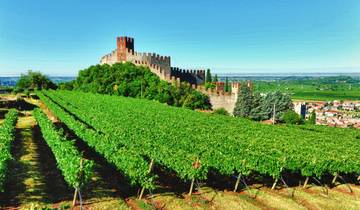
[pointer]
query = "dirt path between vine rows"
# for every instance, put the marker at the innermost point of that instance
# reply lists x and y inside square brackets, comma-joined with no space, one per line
[35,181]
[33,177]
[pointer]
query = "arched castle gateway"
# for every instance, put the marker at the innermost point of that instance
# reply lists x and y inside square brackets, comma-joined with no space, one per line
[161,66]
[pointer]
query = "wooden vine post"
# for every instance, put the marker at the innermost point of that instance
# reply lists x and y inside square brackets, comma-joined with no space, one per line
[347,185]
[143,188]
[334,179]
[77,188]
[274,185]
[277,179]
[196,165]
[75,196]
[306,182]
[237,182]
[191,186]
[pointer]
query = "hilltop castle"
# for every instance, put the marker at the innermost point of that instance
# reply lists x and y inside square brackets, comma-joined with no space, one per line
[160,65]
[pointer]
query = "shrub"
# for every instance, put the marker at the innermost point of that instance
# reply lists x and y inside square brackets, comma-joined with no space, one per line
[221,111]
[291,117]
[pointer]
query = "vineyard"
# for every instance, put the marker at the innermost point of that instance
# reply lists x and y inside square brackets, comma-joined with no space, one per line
[192,144]
[162,157]
[75,170]
[6,137]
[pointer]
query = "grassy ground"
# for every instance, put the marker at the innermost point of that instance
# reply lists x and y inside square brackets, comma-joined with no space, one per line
[263,198]
[326,95]
[28,182]
[33,181]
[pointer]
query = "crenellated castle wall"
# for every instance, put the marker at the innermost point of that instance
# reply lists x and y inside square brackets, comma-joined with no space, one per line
[196,77]
[162,62]
[161,66]
[221,99]
[110,58]
[158,64]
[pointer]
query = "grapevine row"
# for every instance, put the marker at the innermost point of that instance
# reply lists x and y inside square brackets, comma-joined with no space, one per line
[224,156]
[7,130]
[129,162]
[167,154]
[75,170]
[225,144]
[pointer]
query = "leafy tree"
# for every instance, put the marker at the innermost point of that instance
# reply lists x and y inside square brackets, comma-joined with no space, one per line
[243,104]
[196,100]
[208,76]
[66,85]
[312,118]
[291,117]
[256,108]
[126,79]
[280,101]
[34,80]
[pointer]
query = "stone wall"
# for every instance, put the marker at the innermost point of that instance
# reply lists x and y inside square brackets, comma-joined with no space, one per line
[158,64]
[226,101]
[151,59]
[110,58]
[220,99]
[194,77]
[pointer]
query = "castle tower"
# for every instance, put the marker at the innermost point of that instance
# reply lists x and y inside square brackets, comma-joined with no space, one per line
[235,87]
[220,86]
[123,44]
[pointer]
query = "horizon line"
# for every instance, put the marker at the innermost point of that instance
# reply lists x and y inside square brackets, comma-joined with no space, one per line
[232,73]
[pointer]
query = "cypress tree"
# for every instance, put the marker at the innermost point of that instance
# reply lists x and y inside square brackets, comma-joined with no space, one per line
[227,89]
[208,76]
[215,79]
[243,104]
[312,119]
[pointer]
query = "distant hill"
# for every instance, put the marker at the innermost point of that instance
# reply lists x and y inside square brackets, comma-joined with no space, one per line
[284,76]
[11,81]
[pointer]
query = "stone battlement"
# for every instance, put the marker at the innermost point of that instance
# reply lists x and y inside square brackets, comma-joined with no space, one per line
[156,69]
[161,66]
[158,64]
[194,77]
[110,58]
[221,99]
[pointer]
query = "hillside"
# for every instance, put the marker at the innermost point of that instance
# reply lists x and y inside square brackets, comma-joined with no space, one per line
[189,138]
[141,144]
[126,79]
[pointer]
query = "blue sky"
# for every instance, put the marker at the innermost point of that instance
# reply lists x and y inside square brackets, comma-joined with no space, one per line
[245,36]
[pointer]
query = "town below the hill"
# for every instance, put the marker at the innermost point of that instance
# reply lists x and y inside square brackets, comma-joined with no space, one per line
[344,114]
